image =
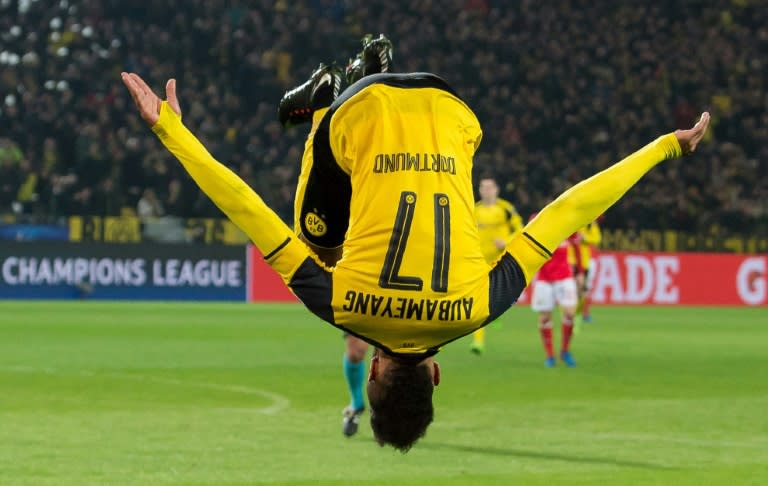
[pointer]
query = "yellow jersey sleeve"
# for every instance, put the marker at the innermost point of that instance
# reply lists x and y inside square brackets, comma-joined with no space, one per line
[282,250]
[584,202]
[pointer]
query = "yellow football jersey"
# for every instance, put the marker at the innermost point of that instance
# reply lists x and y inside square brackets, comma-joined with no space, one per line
[412,273]
[590,239]
[499,221]
[412,277]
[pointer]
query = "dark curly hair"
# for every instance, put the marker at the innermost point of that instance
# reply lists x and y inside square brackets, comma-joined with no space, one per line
[401,406]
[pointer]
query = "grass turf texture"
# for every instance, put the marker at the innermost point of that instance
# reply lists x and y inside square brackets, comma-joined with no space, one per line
[135,393]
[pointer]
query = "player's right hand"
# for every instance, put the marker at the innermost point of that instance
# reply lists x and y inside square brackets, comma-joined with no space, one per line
[146,100]
[690,138]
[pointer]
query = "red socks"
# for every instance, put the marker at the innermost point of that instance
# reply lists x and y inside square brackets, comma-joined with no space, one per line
[567,329]
[546,338]
[545,329]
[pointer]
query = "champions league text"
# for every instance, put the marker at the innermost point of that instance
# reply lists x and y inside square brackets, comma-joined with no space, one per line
[127,271]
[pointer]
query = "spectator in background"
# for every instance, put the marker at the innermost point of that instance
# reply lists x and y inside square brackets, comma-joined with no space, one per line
[175,203]
[149,206]
[575,75]
[10,181]
[27,193]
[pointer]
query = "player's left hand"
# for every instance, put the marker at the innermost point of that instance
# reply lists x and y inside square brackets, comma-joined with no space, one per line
[690,138]
[500,244]
[146,100]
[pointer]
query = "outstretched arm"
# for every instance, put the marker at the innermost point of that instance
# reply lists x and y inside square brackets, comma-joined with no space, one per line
[585,201]
[282,250]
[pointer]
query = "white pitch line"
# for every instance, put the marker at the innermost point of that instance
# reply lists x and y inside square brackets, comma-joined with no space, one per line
[27,369]
[279,402]
[627,437]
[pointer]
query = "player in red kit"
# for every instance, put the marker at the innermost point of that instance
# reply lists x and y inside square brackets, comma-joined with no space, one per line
[556,285]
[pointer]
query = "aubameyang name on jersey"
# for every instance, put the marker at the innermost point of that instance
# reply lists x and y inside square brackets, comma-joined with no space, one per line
[402,308]
[403,161]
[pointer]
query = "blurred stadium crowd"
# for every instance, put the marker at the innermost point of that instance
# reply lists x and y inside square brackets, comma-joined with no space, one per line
[561,88]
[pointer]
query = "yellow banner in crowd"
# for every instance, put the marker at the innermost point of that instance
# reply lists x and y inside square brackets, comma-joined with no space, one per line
[678,241]
[129,229]
[109,229]
[211,230]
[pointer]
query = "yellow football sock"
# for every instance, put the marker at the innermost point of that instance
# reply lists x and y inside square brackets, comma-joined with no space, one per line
[478,337]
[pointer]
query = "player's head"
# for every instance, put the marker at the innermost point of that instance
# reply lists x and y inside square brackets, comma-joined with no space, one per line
[400,396]
[488,189]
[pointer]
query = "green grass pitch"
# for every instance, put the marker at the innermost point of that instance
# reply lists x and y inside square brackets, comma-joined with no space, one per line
[218,394]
